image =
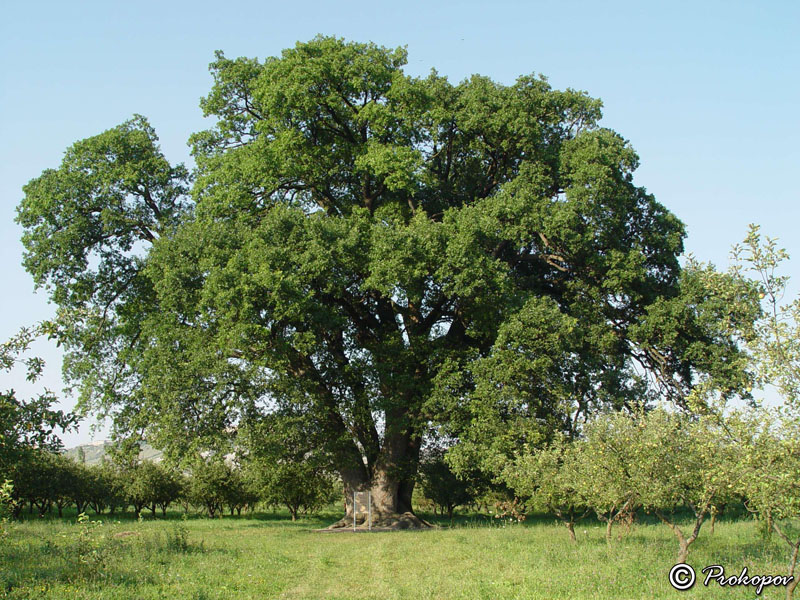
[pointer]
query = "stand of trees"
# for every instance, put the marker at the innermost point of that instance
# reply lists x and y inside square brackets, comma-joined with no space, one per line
[48,482]
[381,253]
[362,258]
[663,461]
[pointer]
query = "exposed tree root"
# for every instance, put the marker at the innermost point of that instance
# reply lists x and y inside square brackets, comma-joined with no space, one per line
[381,522]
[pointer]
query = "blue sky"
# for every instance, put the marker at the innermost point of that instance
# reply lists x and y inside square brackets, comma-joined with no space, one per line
[708,93]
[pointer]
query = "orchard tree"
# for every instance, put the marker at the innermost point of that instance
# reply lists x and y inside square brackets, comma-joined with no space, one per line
[296,486]
[769,463]
[151,485]
[243,492]
[661,461]
[78,488]
[547,478]
[769,440]
[680,462]
[604,466]
[280,465]
[104,487]
[775,338]
[42,479]
[211,485]
[384,253]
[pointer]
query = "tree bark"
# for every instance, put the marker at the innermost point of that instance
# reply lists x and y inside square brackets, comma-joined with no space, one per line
[683,541]
[795,546]
[390,499]
[390,480]
[792,565]
[571,528]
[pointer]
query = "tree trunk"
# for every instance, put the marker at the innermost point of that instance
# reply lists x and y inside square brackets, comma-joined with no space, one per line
[792,565]
[683,541]
[795,546]
[390,501]
[612,515]
[391,486]
[570,525]
[769,525]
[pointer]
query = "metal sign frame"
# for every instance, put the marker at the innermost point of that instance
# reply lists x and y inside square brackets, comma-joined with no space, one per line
[369,509]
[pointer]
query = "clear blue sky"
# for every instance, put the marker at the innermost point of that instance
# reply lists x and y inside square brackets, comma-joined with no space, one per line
[708,93]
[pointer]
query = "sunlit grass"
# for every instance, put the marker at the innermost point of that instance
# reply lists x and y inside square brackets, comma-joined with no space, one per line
[267,556]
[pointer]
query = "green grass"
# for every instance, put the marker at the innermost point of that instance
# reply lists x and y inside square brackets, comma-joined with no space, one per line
[267,556]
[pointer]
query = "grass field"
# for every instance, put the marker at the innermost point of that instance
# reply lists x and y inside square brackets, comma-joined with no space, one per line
[267,556]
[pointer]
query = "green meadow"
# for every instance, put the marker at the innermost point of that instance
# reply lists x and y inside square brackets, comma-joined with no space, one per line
[268,556]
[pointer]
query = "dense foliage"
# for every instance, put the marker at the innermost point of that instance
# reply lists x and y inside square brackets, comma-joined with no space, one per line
[382,254]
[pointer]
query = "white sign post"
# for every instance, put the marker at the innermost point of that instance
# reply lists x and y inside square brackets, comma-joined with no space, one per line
[362,502]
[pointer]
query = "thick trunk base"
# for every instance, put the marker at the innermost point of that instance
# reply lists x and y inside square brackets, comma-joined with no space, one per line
[381,522]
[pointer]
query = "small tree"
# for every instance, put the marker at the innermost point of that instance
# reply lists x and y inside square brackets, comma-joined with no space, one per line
[295,485]
[106,487]
[151,485]
[768,475]
[286,468]
[136,487]
[39,478]
[210,485]
[242,492]
[603,476]
[770,441]
[168,489]
[79,484]
[549,478]
[774,340]
[441,486]
[682,462]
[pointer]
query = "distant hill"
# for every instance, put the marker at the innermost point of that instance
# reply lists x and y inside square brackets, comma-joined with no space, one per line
[94,452]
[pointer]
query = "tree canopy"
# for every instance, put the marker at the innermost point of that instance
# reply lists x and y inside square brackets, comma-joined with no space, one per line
[380,253]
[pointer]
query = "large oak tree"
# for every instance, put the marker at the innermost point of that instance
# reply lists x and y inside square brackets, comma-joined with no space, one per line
[379,253]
